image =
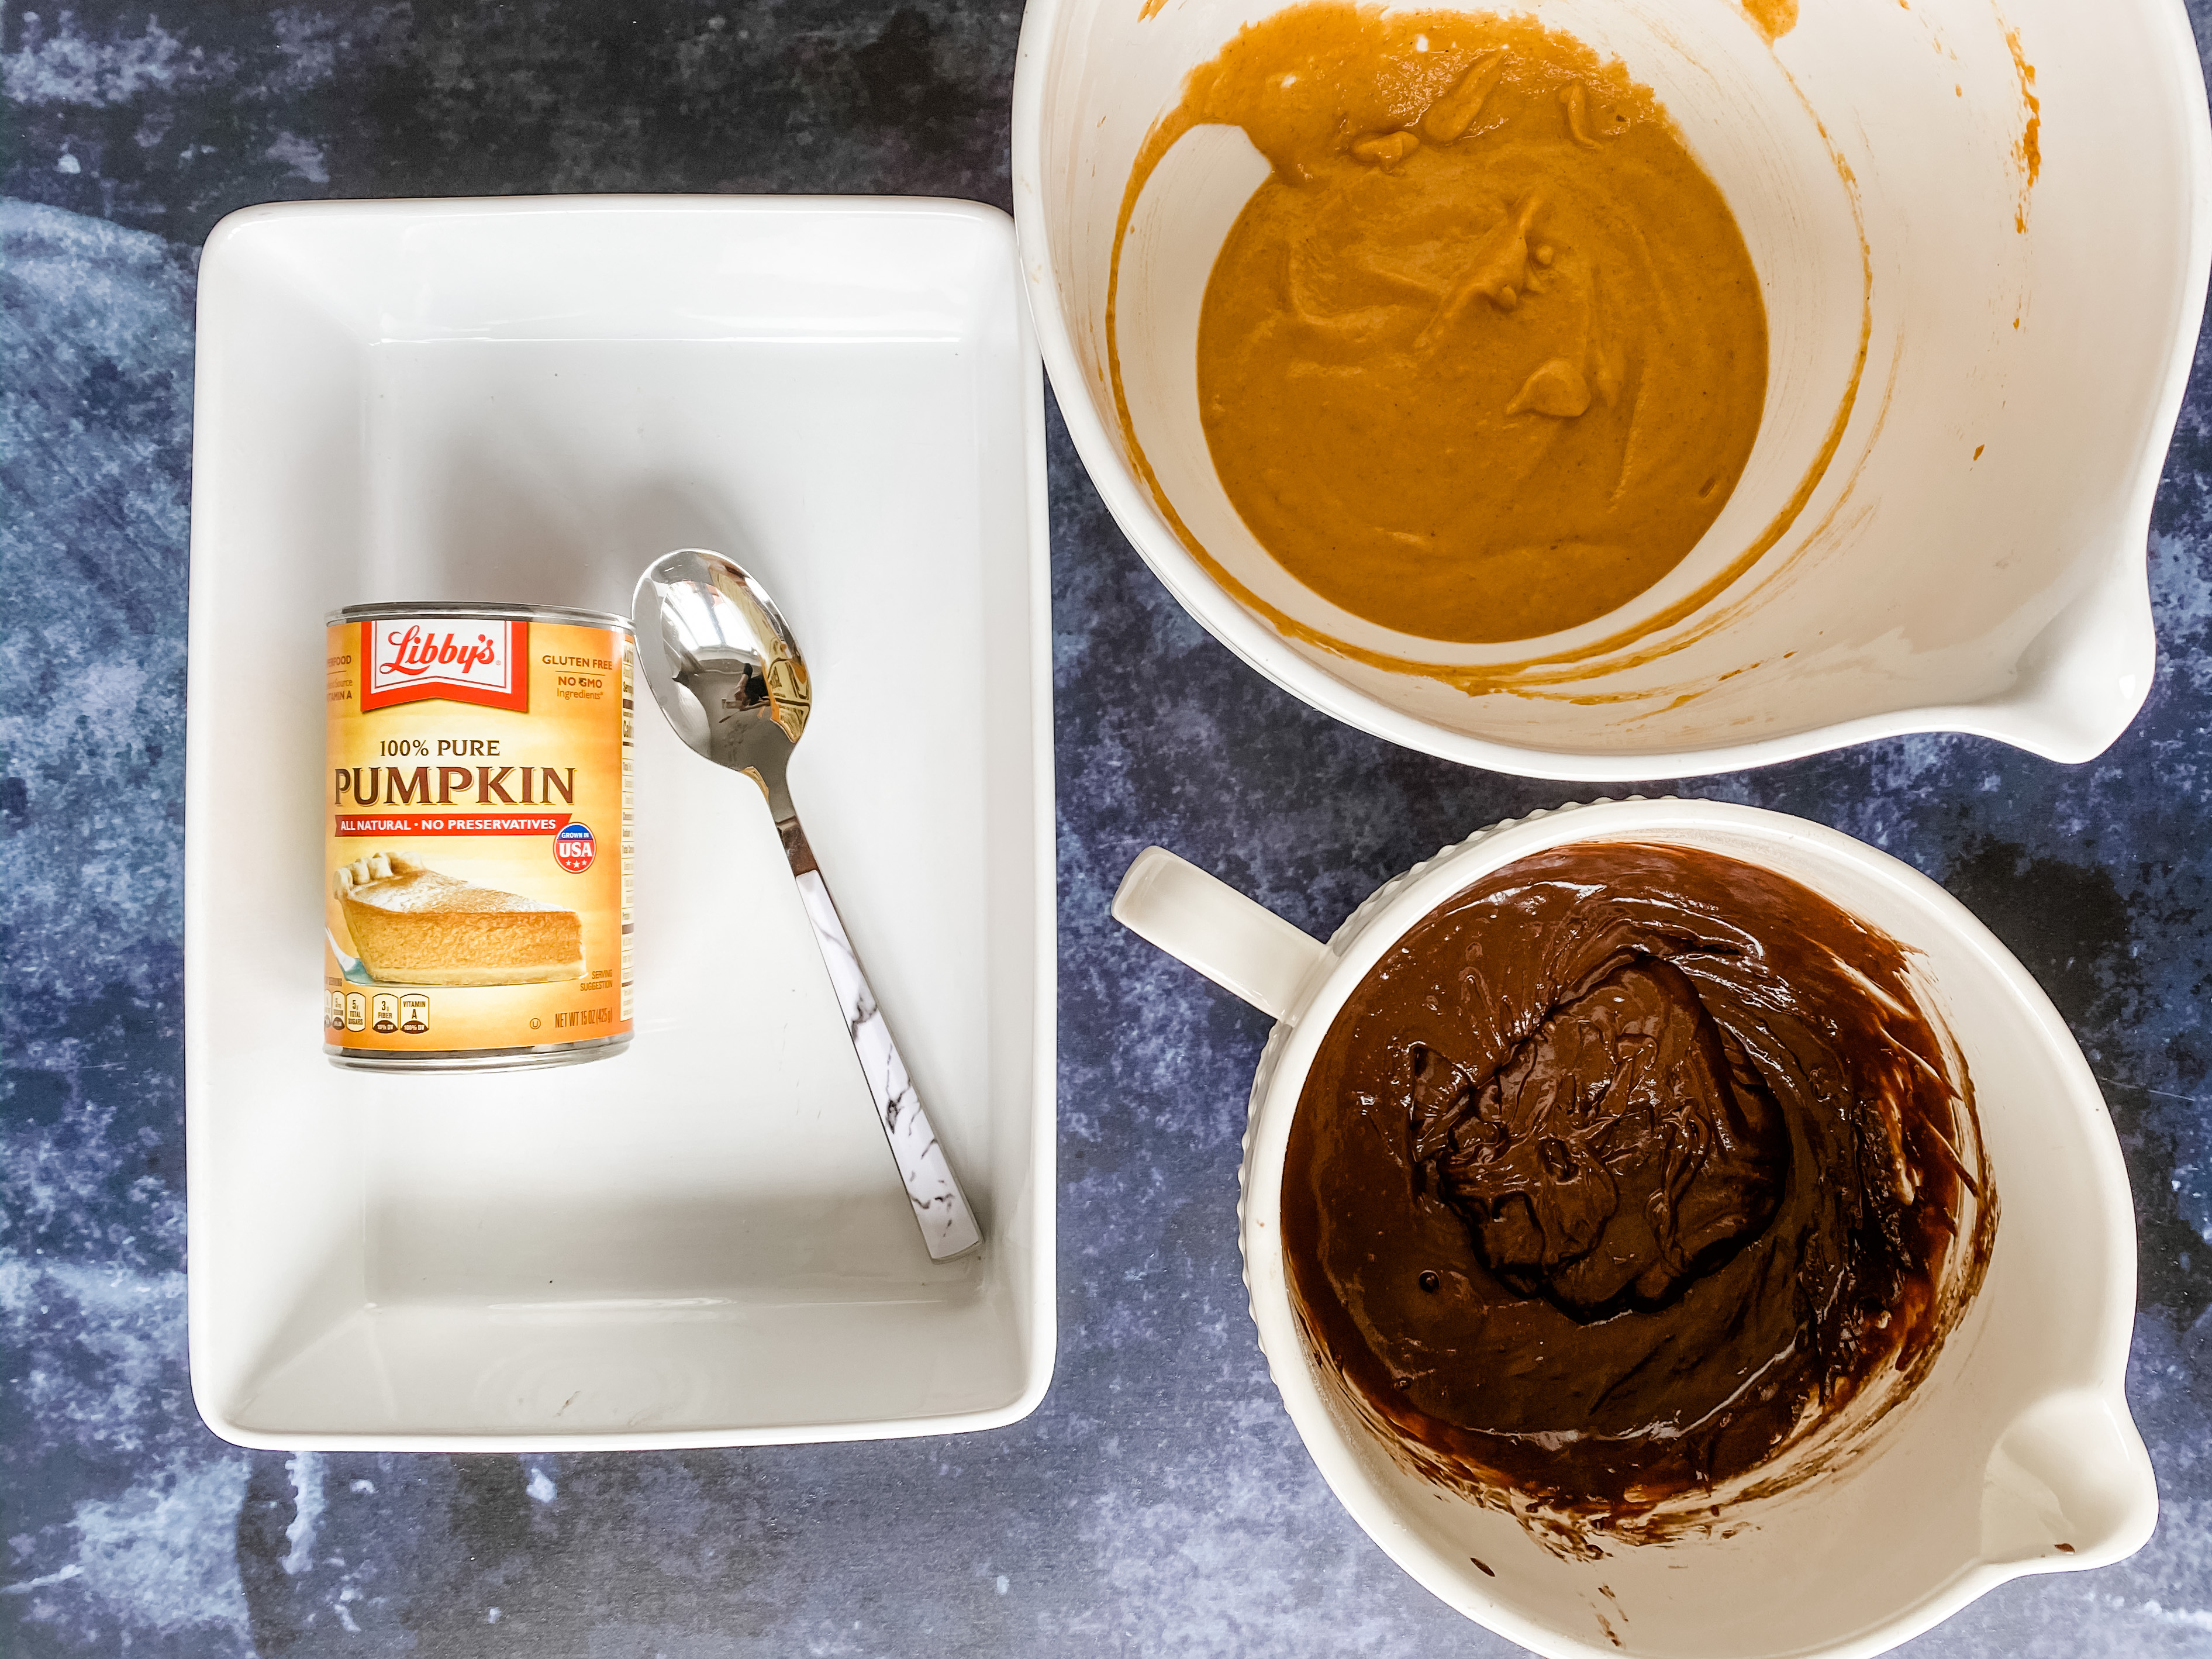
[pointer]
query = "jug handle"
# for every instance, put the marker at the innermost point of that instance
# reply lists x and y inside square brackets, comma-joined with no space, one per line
[1205,923]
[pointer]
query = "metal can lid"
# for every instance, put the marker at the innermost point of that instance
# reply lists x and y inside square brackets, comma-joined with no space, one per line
[486,612]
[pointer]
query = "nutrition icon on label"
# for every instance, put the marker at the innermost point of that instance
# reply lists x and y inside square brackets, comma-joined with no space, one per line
[334,1015]
[356,1011]
[415,1014]
[385,1013]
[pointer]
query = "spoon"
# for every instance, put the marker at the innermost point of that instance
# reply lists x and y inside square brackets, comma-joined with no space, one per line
[725,669]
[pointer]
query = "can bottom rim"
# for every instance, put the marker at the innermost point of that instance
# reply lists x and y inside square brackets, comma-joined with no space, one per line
[475,1060]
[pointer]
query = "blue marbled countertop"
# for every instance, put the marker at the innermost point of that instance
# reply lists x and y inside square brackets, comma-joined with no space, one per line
[1157,1501]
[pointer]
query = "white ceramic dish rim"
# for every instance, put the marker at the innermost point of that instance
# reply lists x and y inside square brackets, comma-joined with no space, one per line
[198,974]
[1254,642]
[1353,950]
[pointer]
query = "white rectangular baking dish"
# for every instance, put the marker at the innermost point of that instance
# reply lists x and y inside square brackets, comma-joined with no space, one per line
[702,1242]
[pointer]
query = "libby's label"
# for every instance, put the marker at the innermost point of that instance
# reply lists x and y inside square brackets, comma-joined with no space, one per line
[479,835]
[408,659]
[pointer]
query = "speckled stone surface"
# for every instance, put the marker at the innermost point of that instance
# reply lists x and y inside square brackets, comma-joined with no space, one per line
[1158,1501]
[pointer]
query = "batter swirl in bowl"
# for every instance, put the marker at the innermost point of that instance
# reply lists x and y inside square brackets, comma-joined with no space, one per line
[1485,355]
[1624,1170]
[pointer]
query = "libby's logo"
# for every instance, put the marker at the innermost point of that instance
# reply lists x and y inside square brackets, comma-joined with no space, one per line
[410,659]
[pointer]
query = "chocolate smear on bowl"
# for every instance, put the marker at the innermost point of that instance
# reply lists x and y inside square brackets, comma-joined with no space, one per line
[1625,1171]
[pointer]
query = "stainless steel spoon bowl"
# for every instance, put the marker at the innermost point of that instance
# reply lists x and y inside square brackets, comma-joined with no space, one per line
[725,669]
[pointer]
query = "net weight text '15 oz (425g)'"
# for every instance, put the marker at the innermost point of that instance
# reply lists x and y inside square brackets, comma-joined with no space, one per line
[478,836]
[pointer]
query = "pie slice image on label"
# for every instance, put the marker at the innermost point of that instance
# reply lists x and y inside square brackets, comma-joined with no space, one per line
[416,925]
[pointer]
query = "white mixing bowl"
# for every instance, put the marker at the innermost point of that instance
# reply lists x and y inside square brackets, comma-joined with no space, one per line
[1983,237]
[2016,1453]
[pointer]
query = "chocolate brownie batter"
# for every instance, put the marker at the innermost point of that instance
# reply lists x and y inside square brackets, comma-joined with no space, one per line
[1624,1168]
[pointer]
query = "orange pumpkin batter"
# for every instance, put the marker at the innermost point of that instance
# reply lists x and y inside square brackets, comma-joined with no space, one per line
[1486,353]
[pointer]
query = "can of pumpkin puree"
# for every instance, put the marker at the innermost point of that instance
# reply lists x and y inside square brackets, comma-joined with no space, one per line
[477,838]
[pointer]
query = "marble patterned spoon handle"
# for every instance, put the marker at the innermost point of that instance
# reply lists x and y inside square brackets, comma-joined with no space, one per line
[948,1226]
